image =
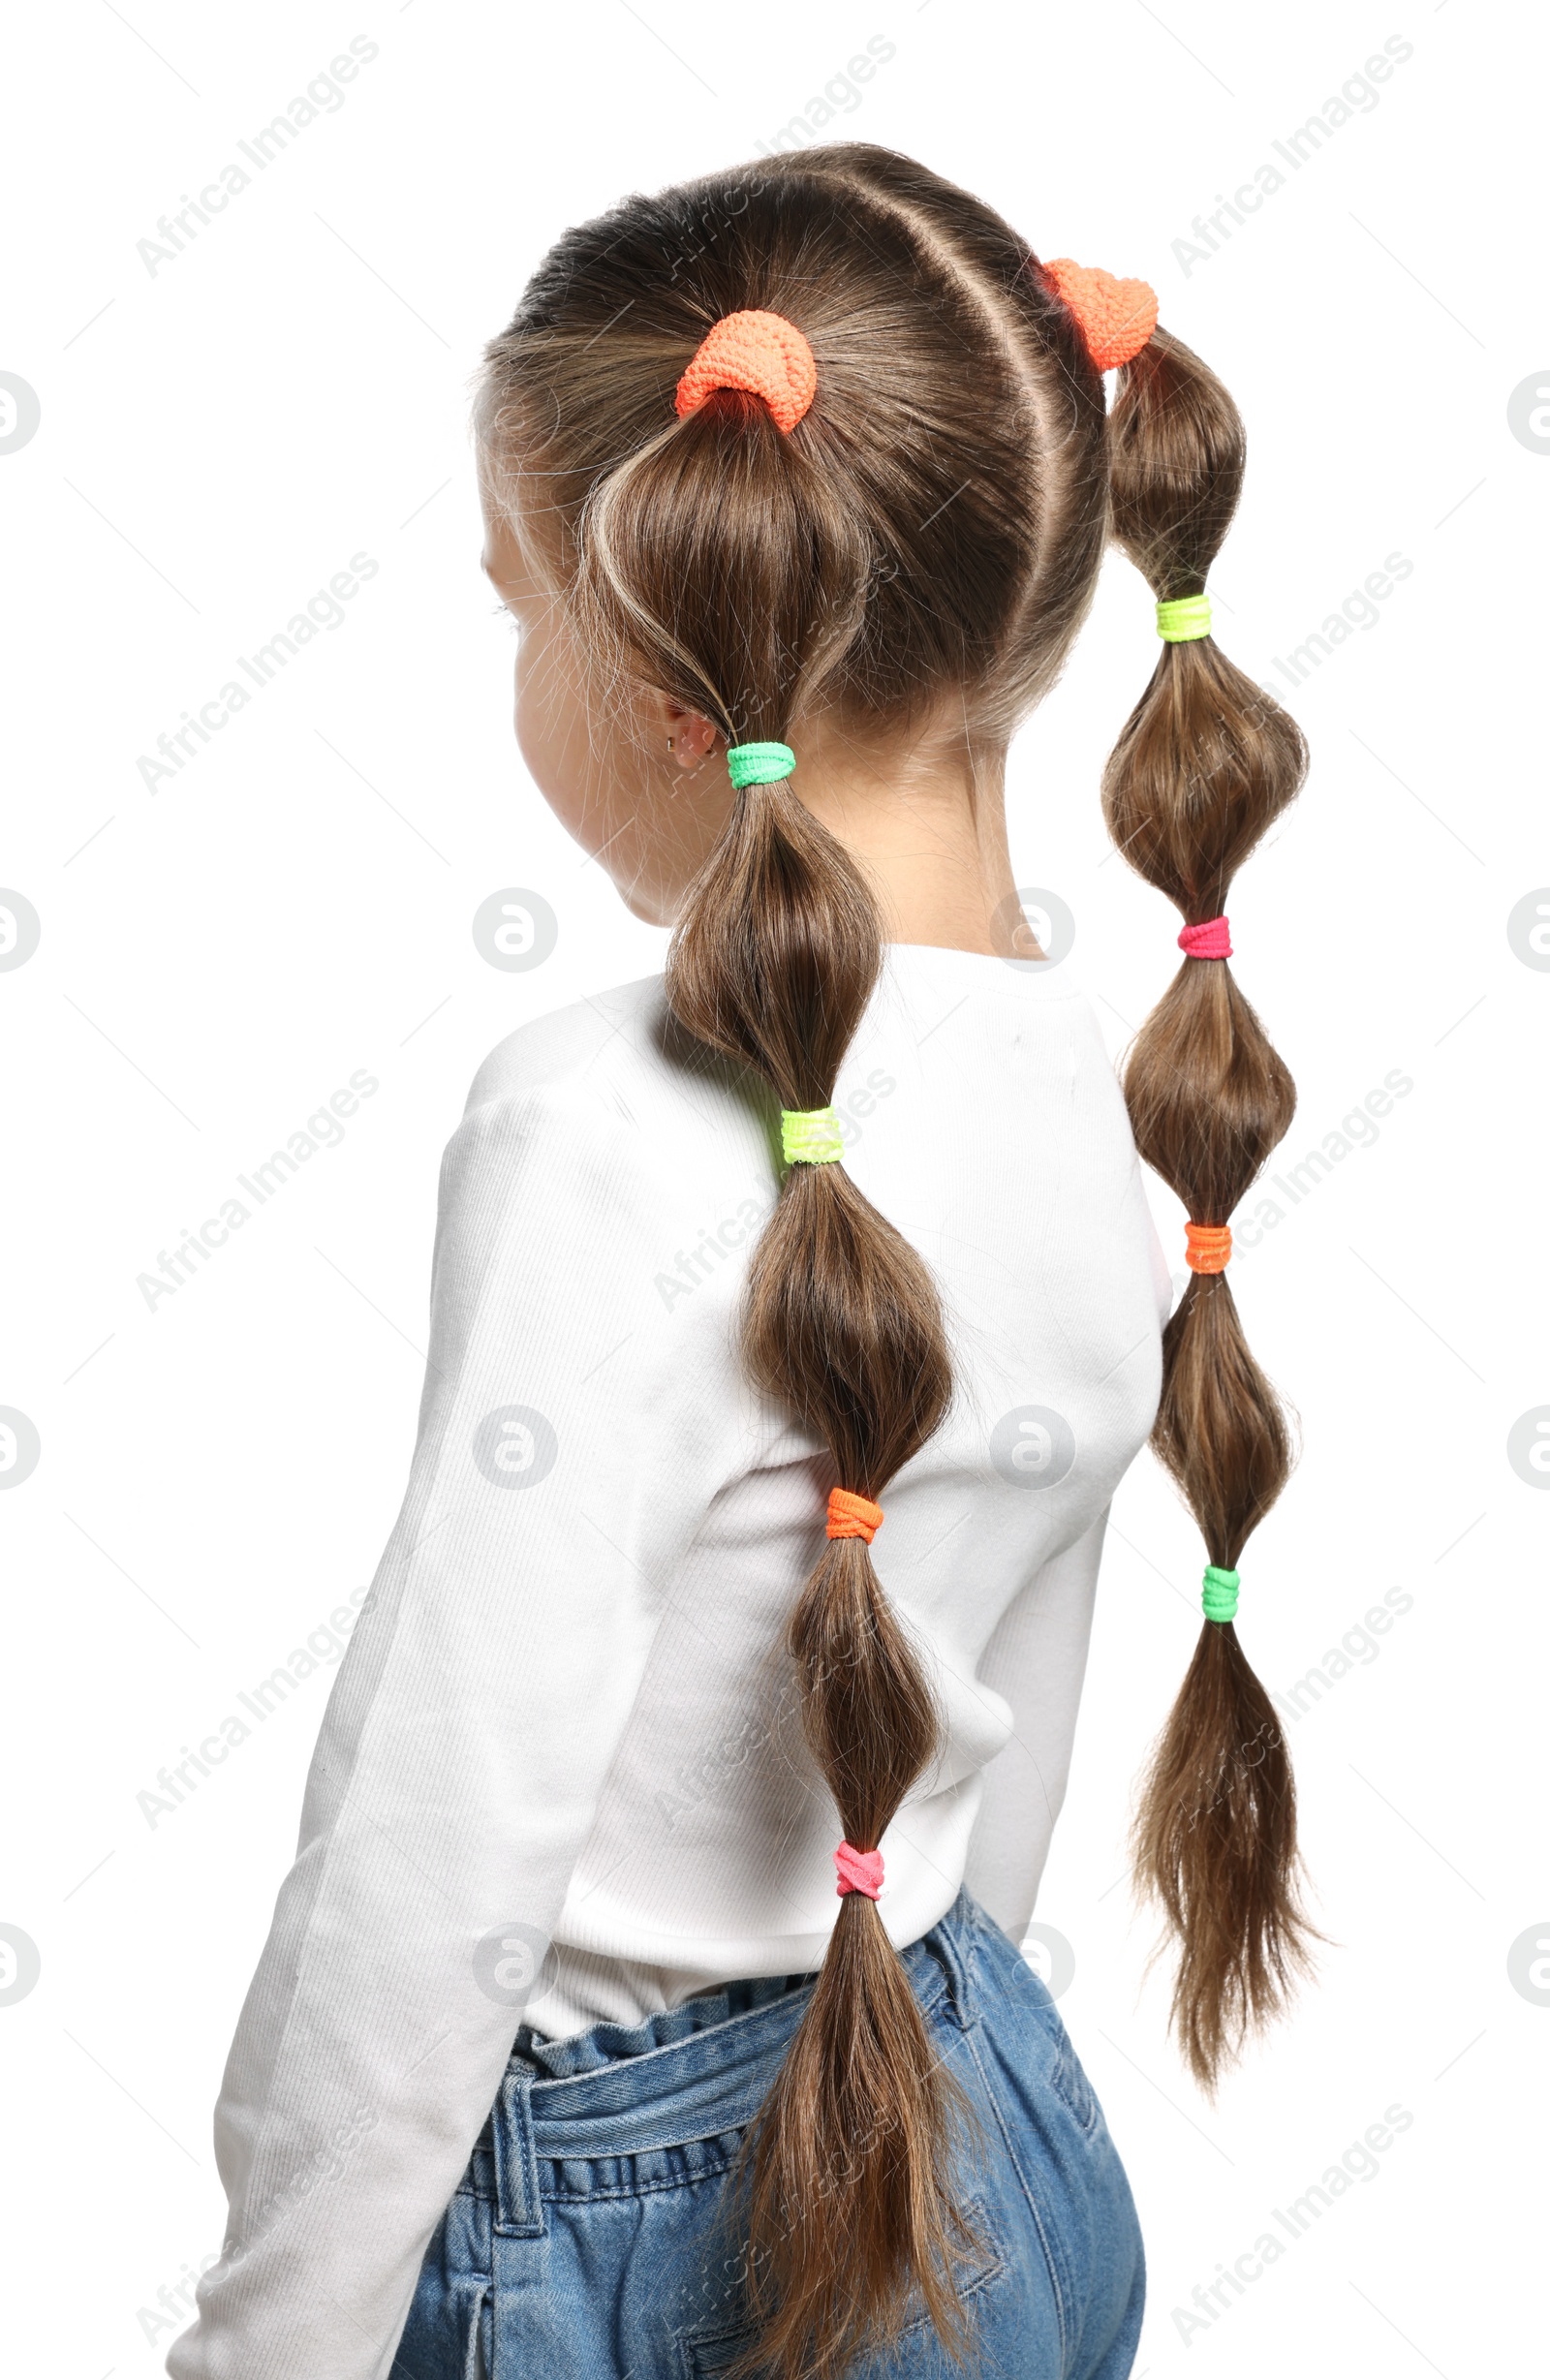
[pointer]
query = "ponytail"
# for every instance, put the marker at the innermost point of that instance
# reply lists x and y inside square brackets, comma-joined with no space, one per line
[1206,762]
[848,2163]
[775,957]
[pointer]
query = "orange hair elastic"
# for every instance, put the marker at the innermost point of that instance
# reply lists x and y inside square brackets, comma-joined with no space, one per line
[852,1516]
[1115,317]
[1207,1247]
[762,352]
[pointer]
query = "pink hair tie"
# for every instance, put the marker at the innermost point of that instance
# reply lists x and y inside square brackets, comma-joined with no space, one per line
[859,1871]
[1210,940]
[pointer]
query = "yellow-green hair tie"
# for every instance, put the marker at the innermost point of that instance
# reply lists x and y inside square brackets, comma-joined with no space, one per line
[758,763]
[1218,1593]
[811,1136]
[1186,618]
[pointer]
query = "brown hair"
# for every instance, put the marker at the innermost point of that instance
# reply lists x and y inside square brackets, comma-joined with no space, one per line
[1206,762]
[931,530]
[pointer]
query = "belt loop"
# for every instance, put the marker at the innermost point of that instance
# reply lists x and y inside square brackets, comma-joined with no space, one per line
[518,2208]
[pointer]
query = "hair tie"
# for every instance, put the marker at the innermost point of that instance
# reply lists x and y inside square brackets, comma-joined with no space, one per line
[859,1871]
[1184,619]
[1115,317]
[852,1516]
[1207,1247]
[760,352]
[1209,941]
[811,1136]
[758,763]
[1218,1593]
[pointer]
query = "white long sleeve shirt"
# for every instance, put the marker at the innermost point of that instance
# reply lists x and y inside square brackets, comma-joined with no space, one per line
[561,1776]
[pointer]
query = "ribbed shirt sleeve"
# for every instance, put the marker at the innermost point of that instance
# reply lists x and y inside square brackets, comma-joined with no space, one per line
[567,1453]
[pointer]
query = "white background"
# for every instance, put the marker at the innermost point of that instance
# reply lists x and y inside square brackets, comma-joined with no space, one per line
[217,439]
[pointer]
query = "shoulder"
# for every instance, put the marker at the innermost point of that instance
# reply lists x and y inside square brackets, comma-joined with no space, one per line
[605,1110]
[583,1044]
[595,1155]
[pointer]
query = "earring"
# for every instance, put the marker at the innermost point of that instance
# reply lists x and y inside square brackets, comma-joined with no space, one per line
[669,743]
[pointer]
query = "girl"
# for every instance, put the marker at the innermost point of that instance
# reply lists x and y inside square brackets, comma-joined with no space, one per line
[644,1997]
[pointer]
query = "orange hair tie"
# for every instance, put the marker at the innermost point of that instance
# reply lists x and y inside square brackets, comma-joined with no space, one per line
[1115,317]
[762,352]
[852,1516]
[1207,1247]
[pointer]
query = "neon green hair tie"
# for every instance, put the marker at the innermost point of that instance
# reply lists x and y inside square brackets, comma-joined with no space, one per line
[1218,1593]
[811,1136]
[758,763]
[1186,618]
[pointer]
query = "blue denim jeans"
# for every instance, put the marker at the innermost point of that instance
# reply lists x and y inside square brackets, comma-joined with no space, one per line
[588,2239]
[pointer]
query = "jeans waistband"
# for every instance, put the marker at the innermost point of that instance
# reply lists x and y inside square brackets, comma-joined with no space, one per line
[627,2091]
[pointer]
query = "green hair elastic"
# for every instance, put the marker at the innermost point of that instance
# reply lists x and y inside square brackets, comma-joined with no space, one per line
[1186,618]
[1218,1593]
[811,1136]
[758,763]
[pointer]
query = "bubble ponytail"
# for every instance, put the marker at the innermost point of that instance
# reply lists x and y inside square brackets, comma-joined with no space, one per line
[1206,762]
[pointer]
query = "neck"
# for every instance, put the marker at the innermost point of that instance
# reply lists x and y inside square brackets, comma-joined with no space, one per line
[925,821]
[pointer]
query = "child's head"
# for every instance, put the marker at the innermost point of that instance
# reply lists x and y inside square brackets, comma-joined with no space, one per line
[904,566]
[921,549]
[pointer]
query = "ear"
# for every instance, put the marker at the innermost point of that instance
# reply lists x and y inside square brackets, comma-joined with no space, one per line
[681,735]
